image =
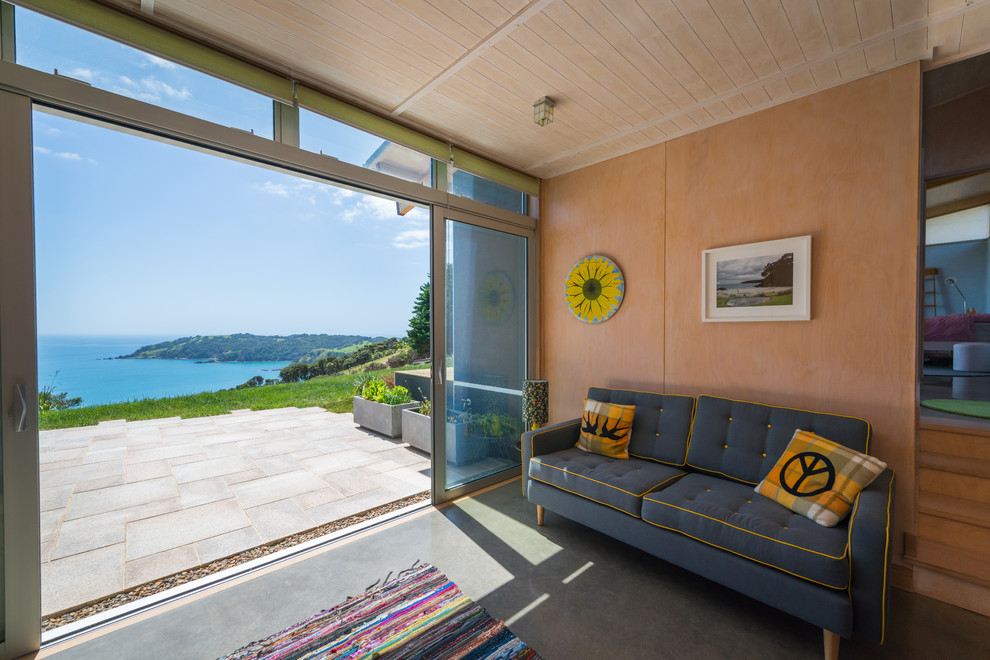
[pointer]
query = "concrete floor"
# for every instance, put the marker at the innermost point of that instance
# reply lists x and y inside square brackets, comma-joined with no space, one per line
[566,590]
[124,503]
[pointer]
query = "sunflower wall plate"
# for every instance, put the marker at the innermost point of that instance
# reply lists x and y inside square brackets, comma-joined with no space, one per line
[594,289]
[496,296]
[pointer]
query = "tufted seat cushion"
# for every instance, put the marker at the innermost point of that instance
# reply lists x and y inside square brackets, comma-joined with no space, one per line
[733,517]
[619,484]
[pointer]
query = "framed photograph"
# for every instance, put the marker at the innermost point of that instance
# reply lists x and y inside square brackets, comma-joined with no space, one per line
[769,281]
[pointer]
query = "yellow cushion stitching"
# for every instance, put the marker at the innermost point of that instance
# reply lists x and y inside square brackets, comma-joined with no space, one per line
[814,552]
[694,408]
[586,497]
[852,519]
[664,483]
[590,479]
[735,479]
[671,529]
[655,460]
[869,427]
[532,446]
[613,389]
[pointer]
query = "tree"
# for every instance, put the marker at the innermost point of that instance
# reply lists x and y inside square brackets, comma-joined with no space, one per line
[295,372]
[419,324]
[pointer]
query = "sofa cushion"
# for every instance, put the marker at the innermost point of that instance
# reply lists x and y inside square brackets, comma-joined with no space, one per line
[818,478]
[730,516]
[743,440]
[619,484]
[661,425]
[605,428]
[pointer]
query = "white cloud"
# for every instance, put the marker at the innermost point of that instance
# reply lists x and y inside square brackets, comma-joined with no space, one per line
[301,190]
[65,155]
[157,86]
[369,207]
[150,89]
[48,130]
[159,62]
[338,195]
[82,73]
[279,189]
[412,238]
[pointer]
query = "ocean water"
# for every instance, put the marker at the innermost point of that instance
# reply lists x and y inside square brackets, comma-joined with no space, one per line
[83,369]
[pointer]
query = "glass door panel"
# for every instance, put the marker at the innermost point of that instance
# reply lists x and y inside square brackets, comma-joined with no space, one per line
[20,620]
[485,348]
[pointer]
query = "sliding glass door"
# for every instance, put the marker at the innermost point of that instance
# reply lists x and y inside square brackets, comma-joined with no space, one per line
[485,338]
[20,606]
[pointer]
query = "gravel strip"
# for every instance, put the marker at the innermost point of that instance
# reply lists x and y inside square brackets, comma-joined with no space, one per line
[53,621]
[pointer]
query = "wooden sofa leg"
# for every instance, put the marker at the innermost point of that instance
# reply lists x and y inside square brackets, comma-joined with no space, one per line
[539,515]
[831,645]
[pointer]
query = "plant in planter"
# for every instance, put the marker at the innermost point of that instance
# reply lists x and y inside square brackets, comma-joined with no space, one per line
[495,433]
[416,426]
[379,408]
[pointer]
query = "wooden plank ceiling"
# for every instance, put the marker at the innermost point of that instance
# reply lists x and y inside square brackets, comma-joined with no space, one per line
[625,74]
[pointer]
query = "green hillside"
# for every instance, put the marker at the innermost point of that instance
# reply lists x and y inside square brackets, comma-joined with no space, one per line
[245,347]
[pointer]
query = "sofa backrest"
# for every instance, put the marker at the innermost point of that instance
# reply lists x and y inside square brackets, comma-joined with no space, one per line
[743,441]
[661,424]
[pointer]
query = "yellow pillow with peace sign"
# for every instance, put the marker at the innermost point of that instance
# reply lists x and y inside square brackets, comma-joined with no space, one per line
[818,478]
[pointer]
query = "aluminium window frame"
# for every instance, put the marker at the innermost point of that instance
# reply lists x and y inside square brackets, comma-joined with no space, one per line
[137,31]
[438,339]
[32,90]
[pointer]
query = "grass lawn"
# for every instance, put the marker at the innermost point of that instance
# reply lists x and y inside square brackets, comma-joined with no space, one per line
[782,298]
[330,392]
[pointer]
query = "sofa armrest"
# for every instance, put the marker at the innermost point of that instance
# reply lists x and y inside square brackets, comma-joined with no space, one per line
[547,440]
[869,547]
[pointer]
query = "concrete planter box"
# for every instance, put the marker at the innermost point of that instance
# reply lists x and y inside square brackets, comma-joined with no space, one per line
[380,417]
[417,430]
[461,447]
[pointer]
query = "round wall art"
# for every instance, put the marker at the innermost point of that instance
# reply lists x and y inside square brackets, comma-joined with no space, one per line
[594,289]
[496,296]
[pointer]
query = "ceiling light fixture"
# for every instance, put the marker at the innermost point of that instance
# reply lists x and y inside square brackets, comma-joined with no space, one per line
[543,111]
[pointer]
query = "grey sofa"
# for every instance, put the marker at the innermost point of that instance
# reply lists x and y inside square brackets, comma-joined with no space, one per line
[686,495]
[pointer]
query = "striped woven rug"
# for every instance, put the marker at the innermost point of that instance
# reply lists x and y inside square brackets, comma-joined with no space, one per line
[419,614]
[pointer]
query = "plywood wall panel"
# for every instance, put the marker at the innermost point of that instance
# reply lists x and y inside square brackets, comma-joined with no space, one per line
[841,165]
[616,209]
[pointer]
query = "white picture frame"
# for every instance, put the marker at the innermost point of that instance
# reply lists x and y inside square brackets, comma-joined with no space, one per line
[750,282]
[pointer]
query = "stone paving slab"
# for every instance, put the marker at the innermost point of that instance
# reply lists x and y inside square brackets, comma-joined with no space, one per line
[125,503]
[81,578]
[171,530]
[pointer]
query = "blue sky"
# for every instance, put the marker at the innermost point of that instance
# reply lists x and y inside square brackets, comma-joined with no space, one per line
[136,236]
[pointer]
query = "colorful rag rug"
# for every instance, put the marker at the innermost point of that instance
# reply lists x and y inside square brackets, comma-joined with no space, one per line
[419,614]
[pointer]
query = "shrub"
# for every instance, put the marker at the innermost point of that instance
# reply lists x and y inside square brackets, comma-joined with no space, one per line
[425,408]
[48,399]
[360,382]
[393,396]
[373,390]
[376,390]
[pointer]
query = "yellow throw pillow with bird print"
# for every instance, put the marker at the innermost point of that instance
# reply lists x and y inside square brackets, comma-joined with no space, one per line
[605,428]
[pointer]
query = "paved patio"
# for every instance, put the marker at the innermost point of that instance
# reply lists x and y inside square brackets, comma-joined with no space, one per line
[123,503]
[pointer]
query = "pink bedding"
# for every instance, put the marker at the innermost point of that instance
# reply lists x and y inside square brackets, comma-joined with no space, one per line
[951,327]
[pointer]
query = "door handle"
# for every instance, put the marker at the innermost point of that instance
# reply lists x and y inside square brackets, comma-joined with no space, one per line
[20,410]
